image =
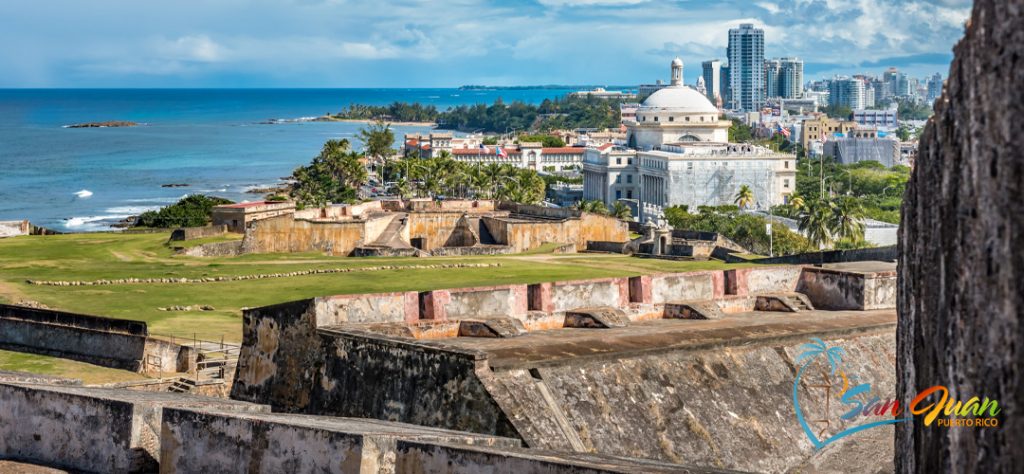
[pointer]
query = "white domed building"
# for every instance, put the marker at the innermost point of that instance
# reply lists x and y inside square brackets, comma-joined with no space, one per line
[678,153]
[674,114]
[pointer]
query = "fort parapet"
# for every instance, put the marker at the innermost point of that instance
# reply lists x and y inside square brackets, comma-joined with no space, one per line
[673,367]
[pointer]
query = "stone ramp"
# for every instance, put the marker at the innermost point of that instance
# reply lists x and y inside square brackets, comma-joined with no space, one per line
[391,237]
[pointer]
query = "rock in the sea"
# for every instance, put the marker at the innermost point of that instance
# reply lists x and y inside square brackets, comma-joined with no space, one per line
[107,124]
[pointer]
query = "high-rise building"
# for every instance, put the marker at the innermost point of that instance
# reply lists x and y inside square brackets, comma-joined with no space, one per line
[890,84]
[934,87]
[791,78]
[726,86]
[846,92]
[772,70]
[746,67]
[712,74]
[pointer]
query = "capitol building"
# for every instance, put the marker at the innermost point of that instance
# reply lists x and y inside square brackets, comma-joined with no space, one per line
[678,153]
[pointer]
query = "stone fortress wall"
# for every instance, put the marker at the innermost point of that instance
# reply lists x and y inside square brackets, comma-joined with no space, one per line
[109,342]
[428,227]
[684,367]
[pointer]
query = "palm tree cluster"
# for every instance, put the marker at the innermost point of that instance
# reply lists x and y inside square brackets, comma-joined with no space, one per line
[442,176]
[335,175]
[828,221]
[618,210]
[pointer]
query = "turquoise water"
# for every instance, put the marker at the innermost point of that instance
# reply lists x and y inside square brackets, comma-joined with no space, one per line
[211,139]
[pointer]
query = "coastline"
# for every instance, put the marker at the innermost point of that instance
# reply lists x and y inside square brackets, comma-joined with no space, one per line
[328,118]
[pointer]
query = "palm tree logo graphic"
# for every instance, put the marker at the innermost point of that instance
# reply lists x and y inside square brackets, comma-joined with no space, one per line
[833,356]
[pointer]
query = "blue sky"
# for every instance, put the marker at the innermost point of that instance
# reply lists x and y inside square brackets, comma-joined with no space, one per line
[413,43]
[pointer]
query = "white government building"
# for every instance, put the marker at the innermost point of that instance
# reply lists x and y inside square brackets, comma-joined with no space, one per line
[679,153]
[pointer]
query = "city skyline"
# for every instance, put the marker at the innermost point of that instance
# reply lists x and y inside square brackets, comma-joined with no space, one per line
[331,43]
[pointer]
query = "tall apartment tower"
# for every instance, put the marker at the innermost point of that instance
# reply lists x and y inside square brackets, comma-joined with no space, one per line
[772,71]
[791,78]
[846,92]
[712,74]
[746,67]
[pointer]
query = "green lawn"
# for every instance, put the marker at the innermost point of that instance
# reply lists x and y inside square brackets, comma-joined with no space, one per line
[45,365]
[109,256]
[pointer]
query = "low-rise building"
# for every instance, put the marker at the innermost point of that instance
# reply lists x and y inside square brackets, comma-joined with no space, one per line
[823,126]
[237,216]
[527,155]
[863,145]
[884,118]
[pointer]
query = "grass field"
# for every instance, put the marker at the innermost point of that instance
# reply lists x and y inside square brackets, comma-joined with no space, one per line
[89,257]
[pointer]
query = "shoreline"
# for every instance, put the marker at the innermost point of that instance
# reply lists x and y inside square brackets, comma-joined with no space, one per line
[328,118]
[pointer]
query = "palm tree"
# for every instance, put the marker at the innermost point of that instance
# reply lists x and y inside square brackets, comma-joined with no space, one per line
[796,202]
[621,211]
[847,219]
[816,223]
[593,207]
[744,197]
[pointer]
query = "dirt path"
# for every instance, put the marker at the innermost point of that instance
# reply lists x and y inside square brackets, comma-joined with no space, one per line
[11,293]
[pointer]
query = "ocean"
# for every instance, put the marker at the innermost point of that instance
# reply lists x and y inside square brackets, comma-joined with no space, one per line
[215,140]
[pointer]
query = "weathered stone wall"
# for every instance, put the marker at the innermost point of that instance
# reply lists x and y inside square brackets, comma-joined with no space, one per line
[435,228]
[285,234]
[192,233]
[90,429]
[727,407]
[418,456]
[961,291]
[280,351]
[477,302]
[409,382]
[685,286]
[523,235]
[214,441]
[566,295]
[836,290]
[120,344]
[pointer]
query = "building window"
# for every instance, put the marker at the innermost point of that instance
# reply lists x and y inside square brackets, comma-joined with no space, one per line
[672,119]
[629,178]
[618,161]
[629,161]
[629,194]
[689,165]
[618,194]
[687,119]
[786,164]
[618,179]
[655,118]
[785,183]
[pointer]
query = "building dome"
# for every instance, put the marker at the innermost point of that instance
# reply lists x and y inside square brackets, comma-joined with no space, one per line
[677,62]
[680,99]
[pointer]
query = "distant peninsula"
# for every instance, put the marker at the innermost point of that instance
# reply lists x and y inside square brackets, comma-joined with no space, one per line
[107,124]
[475,87]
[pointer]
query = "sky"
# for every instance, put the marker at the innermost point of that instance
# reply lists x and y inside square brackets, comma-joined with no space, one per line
[448,43]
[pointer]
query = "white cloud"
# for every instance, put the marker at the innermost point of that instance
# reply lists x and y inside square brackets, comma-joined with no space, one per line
[190,48]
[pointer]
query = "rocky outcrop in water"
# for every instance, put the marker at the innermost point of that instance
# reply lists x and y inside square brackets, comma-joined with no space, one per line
[961,294]
[107,124]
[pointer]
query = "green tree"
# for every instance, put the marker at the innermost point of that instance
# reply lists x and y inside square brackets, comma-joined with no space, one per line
[816,222]
[847,220]
[593,207]
[621,211]
[190,211]
[744,197]
[740,132]
[335,175]
[378,142]
[546,140]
